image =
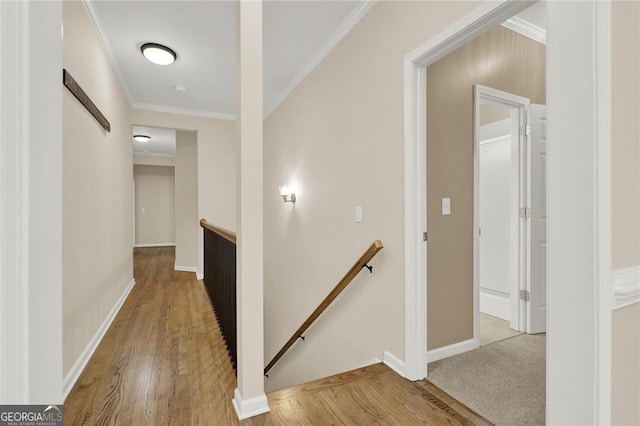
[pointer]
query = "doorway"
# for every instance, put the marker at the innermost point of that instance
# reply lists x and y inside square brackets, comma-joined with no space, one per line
[458,87]
[509,215]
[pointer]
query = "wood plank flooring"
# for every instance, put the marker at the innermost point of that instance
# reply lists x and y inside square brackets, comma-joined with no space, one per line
[163,362]
[369,395]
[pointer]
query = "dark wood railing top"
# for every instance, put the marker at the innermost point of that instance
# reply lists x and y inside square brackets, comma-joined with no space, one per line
[225,233]
[373,249]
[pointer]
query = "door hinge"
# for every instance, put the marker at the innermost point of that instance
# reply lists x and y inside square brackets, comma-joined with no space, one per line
[525,212]
[425,237]
[526,129]
[524,295]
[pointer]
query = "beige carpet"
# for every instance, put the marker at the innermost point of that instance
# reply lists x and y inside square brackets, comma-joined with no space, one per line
[504,381]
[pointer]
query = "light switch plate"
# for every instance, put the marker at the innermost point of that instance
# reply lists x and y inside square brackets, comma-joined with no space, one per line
[446,206]
[358,214]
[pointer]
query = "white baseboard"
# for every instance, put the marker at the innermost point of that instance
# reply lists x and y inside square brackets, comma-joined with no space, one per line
[625,284]
[246,408]
[200,275]
[496,305]
[186,269]
[394,363]
[155,245]
[451,350]
[85,356]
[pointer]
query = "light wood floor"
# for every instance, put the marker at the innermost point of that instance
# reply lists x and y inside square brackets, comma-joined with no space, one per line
[163,362]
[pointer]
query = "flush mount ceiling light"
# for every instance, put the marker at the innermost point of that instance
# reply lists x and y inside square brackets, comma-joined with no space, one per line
[158,54]
[141,138]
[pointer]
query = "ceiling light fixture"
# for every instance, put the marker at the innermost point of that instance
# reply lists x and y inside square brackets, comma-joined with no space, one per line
[141,138]
[180,89]
[158,54]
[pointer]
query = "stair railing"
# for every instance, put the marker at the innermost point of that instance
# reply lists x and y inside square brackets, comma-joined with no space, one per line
[220,280]
[363,262]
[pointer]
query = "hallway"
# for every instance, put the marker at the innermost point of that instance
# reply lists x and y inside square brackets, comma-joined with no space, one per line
[163,361]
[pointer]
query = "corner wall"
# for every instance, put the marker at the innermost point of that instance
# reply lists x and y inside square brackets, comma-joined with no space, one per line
[186,200]
[97,192]
[338,139]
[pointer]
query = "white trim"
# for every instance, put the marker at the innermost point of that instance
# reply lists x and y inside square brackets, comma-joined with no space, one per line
[451,350]
[246,408]
[193,269]
[578,170]
[518,228]
[82,361]
[89,7]
[200,275]
[415,204]
[182,111]
[155,245]
[625,287]
[350,21]
[486,16]
[601,120]
[527,29]
[492,140]
[497,305]
[394,363]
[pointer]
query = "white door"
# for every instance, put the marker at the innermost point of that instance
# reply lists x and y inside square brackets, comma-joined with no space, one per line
[537,194]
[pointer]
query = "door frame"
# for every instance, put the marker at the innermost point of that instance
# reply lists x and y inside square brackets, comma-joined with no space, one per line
[519,260]
[580,369]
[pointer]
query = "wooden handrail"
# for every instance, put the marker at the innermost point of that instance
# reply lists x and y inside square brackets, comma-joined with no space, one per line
[373,249]
[224,233]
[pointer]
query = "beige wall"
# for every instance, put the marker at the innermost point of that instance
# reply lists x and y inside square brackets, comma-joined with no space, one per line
[339,138]
[155,205]
[186,200]
[216,164]
[501,59]
[625,208]
[625,361]
[625,152]
[97,186]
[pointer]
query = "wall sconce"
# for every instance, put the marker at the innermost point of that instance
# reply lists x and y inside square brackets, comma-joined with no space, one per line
[287,195]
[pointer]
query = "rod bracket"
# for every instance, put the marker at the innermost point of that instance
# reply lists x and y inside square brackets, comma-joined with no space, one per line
[301,337]
[370,268]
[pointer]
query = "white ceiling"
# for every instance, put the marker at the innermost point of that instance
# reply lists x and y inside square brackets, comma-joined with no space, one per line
[535,15]
[162,142]
[297,35]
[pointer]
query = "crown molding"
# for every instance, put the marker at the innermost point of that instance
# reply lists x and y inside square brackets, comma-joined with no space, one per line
[141,154]
[182,111]
[89,7]
[344,28]
[527,29]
